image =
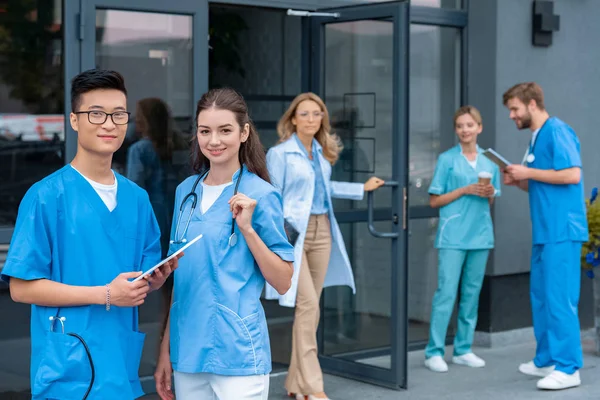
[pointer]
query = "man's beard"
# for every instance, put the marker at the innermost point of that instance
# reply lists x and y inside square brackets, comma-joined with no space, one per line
[525,121]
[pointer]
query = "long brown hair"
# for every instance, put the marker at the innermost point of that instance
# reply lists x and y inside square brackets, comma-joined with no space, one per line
[331,144]
[252,153]
[157,125]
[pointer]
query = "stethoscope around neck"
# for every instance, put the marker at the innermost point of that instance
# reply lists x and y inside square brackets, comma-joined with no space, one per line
[194,197]
[529,156]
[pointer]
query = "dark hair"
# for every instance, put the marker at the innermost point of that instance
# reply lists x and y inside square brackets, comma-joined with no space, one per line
[94,79]
[158,125]
[525,92]
[252,152]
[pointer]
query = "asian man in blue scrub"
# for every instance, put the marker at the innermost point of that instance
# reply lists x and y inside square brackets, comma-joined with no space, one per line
[81,235]
[551,173]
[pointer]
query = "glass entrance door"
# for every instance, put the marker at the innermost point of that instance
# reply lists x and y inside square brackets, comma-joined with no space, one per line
[160,49]
[359,67]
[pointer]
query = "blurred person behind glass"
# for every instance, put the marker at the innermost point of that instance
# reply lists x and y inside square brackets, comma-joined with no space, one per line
[158,162]
[152,161]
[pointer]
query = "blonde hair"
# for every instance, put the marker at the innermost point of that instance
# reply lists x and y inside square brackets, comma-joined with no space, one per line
[472,111]
[330,142]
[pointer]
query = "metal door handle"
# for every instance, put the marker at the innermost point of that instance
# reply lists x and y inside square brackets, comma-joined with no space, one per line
[370,218]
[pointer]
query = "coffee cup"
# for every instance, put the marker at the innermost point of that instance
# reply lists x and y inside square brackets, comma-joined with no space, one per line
[485,178]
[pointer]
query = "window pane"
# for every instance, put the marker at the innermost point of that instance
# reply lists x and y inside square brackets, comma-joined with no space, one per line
[31,147]
[434,97]
[31,99]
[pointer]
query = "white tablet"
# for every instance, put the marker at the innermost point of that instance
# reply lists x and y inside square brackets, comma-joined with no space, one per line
[188,244]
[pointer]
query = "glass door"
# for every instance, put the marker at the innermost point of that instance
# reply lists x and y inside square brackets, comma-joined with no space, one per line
[359,67]
[161,50]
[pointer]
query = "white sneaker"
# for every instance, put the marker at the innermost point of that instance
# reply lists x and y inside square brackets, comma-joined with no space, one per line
[558,380]
[436,364]
[469,360]
[529,368]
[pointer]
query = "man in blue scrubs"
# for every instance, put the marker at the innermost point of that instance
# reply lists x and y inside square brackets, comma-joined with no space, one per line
[81,235]
[551,173]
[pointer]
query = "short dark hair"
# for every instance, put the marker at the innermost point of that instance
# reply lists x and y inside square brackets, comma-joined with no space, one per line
[525,92]
[93,79]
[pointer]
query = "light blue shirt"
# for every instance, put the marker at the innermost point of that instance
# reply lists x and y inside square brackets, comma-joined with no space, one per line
[65,233]
[558,212]
[466,223]
[319,202]
[218,324]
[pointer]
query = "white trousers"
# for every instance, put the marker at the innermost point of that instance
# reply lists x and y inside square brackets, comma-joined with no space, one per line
[218,387]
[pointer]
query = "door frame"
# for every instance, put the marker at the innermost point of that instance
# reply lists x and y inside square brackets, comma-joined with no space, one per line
[398,12]
[80,44]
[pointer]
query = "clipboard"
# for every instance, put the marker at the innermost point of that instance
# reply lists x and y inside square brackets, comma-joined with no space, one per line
[151,270]
[497,159]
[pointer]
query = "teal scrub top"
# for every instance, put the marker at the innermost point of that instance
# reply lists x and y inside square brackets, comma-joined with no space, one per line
[65,233]
[558,212]
[466,223]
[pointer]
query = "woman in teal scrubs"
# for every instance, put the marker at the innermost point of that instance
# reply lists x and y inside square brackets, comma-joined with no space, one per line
[465,236]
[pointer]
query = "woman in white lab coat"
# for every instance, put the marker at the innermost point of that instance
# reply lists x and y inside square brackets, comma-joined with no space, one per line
[300,167]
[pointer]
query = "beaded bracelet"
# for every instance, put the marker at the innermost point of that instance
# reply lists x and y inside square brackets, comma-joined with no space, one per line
[107,297]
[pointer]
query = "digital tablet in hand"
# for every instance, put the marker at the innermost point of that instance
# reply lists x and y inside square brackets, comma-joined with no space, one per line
[497,159]
[151,270]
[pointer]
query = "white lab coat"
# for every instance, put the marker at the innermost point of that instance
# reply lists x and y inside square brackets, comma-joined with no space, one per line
[292,173]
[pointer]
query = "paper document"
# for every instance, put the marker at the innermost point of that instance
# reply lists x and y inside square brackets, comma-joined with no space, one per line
[188,244]
[497,158]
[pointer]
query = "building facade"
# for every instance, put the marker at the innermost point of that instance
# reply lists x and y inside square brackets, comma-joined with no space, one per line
[392,75]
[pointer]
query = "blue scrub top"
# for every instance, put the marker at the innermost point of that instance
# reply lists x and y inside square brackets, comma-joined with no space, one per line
[466,223]
[557,211]
[218,324]
[65,233]
[319,203]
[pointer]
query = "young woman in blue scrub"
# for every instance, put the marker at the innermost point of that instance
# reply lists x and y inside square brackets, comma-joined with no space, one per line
[82,234]
[464,237]
[217,340]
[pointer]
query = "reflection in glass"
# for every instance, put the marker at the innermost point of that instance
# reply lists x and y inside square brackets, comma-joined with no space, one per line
[356,325]
[361,113]
[434,96]
[361,109]
[31,99]
[32,141]
[153,52]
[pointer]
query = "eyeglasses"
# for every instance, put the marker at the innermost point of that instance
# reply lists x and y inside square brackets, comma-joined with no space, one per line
[307,115]
[100,117]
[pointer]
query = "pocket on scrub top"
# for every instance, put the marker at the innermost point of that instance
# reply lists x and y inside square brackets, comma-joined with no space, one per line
[64,371]
[238,340]
[129,248]
[134,345]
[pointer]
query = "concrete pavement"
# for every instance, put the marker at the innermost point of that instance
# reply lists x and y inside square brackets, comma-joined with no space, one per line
[500,379]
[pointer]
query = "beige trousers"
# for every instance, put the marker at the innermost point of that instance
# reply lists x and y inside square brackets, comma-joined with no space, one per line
[304,375]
